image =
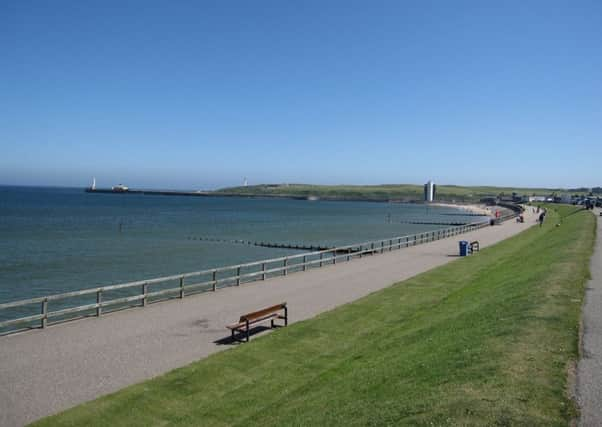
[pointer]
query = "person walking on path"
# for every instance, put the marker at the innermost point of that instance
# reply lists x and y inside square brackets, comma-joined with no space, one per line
[541,218]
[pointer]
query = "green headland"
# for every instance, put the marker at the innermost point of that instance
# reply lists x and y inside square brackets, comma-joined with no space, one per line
[398,192]
[484,340]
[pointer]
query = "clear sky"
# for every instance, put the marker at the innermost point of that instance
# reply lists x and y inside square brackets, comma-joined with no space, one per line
[193,94]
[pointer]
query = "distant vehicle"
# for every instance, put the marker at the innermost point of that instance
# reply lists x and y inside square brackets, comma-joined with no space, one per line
[120,188]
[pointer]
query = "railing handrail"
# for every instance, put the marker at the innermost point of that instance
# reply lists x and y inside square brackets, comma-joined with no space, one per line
[369,247]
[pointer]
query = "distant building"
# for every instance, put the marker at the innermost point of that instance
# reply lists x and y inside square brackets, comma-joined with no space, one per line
[430,190]
[536,198]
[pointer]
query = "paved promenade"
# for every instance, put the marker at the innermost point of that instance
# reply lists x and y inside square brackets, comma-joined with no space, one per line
[45,371]
[589,371]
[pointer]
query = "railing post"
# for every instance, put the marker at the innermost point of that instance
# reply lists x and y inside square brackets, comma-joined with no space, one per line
[348,254]
[334,257]
[99,302]
[372,248]
[321,258]
[182,287]
[213,277]
[304,262]
[238,276]
[390,245]
[263,271]
[399,243]
[285,265]
[361,250]
[144,293]
[407,241]
[44,312]
[415,236]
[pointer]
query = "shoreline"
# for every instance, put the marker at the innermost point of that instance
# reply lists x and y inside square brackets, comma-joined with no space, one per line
[472,208]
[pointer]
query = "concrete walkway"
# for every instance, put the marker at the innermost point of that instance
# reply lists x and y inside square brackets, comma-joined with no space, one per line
[46,371]
[589,370]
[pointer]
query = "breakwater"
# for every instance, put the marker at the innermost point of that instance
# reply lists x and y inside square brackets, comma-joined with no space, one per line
[456,223]
[275,245]
[199,193]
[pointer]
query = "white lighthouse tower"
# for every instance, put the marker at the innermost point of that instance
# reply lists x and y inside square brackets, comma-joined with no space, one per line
[429,191]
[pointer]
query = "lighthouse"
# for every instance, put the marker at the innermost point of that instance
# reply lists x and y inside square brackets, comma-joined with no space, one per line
[429,191]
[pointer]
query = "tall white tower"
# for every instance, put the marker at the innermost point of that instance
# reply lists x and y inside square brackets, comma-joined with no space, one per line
[93,183]
[245,183]
[429,191]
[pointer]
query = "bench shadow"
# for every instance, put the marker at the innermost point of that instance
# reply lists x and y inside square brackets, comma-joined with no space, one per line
[241,336]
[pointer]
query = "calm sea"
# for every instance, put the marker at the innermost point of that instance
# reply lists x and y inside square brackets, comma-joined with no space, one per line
[55,239]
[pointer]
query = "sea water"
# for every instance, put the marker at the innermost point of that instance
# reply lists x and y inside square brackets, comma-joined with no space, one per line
[54,240]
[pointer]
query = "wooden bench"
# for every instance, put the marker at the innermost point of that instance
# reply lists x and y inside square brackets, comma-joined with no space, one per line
[247,320]
[474,246]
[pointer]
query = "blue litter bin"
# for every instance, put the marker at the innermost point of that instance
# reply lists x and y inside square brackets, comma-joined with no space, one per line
[464,247]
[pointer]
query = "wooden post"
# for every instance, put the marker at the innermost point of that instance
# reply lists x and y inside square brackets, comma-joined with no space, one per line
[213,277]
[372,248]
[414,239]
[44,313]
[407,241]
[144,293]
[304,262]
[99,302]
[399,244]
[238,276]
[348,254]
[285,265]
[321,258]
[263,270]
[382,246]
[334,257]
[182,287]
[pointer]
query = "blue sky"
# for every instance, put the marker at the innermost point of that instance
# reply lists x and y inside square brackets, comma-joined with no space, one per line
[193,94]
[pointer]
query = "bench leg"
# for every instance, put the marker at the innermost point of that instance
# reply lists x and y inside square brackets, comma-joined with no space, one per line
[235,335]
[247,331]
[285,315]
[272,323]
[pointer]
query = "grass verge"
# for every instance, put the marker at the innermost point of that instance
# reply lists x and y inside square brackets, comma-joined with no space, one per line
[485,340]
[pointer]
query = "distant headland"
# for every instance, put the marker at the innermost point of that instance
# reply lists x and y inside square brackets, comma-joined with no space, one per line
[408,193]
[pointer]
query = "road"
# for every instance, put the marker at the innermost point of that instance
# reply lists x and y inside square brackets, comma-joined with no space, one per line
[589,369]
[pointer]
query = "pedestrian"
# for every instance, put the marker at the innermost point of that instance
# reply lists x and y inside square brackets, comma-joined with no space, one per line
[541,218]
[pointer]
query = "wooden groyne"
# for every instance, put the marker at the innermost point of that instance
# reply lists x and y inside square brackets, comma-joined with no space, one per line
[464,214]
[300,247]
[452,223]
[275,245]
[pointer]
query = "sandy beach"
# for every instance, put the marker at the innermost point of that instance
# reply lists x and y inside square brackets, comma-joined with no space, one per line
[472,208]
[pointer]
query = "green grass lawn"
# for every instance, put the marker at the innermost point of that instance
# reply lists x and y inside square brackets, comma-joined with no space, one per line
[484,340]
[380,192]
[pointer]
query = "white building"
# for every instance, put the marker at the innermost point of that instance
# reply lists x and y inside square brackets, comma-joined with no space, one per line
[430,190]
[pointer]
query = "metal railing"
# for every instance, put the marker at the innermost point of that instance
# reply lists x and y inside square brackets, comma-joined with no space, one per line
[211,279]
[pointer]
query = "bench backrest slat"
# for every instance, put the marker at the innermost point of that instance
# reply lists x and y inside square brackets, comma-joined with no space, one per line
[261,313]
